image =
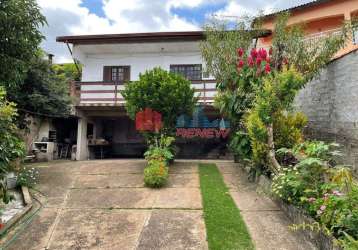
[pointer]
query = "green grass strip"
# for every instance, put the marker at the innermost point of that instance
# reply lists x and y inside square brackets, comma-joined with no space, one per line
[224,225]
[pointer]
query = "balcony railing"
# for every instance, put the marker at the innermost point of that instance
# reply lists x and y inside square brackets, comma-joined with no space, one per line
[108,93]
[315,37]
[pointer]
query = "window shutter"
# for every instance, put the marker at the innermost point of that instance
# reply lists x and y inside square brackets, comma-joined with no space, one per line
[107,74]
[127,76]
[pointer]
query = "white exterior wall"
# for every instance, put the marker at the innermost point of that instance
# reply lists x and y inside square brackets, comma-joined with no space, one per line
[139,63]
[140,57]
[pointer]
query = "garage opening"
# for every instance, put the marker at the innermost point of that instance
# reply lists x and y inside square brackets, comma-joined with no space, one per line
[117,137]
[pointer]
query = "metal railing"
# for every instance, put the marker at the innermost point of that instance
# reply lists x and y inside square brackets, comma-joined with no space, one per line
[108,93]
[314,37]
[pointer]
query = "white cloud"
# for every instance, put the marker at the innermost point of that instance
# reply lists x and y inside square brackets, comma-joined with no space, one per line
[185,3]
[67,17]
[234,9]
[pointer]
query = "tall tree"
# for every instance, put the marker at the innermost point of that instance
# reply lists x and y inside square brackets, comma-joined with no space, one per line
[68,71]
[20,37]
[43,91]
[262,85]
[219,51]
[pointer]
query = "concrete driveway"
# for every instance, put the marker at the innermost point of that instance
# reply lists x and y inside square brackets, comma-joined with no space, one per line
[104,205]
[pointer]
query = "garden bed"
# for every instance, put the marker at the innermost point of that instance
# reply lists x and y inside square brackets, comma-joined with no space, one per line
[16,209]
[298,216]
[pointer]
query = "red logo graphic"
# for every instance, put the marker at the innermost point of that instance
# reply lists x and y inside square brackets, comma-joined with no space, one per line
[148,120]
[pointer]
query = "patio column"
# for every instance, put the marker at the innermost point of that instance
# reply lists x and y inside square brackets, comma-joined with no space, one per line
[347,16]
[82,147]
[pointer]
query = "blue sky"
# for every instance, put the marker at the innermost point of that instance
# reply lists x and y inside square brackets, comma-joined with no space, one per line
[94,6]
[79,17]
[198,14]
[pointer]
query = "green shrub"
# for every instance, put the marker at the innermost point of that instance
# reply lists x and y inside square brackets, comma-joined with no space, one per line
[328,193]
[168,93]
[258,136]
[12,148]
[158,154]
[289,129]
[155,174]
[288,132]
[240,145]
[27,177]
[160,150]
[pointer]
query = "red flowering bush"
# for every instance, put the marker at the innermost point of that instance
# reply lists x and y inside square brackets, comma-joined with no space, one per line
[254,63]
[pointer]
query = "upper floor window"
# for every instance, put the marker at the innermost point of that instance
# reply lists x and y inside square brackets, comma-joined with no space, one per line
[116,73]
[189,71]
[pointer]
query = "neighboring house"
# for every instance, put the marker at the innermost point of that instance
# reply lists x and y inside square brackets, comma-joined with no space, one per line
[330,101]
[109,62]
[319,18]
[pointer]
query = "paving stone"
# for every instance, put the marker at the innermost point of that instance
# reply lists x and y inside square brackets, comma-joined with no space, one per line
[98,229]
[231,180]
[111,198]
[112,167]
[172,230]
[228,168]
[178,198]
[104,206]
[270,231]
[252,201]
[179,168]
[183,180]
[109,181]
[35,235]
[53,202]
[267,224]
[54,183]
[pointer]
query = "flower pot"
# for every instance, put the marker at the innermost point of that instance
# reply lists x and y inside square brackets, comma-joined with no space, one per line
[11,180]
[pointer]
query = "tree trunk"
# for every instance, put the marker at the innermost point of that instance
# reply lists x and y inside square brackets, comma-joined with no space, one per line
[275,166]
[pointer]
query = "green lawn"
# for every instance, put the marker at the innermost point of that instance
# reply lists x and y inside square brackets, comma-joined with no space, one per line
[224,225]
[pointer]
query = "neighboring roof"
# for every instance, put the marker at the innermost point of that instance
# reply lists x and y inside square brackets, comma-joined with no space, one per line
[298,7]
[137,37]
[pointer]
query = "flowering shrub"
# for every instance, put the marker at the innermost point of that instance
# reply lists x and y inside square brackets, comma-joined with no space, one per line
[258,86]
[27,177]
[159,155]
[255,63]
[337,212]
[155,174]
[326,192]
[161,150]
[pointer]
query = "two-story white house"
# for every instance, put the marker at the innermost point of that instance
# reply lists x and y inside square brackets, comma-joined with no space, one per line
[110,61]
